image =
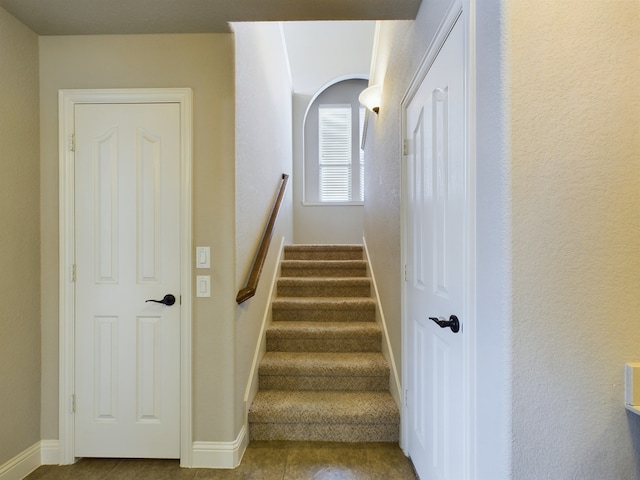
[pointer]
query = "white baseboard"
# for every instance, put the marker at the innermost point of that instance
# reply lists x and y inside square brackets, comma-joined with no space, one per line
[49,452]
[252,382]
[22,464]
[219,454]
[204,455]
[396,384]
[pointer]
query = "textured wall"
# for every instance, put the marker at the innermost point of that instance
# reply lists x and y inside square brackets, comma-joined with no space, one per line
[493,267]
[263,154]
[20,239]
[401,47]
[205,64]
[574,101]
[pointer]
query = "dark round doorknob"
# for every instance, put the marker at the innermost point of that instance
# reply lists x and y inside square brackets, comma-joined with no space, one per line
[168,300]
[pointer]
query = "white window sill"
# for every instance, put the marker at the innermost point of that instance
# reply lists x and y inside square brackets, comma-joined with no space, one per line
[332,204]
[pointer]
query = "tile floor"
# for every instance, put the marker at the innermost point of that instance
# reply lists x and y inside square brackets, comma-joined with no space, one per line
[261,461]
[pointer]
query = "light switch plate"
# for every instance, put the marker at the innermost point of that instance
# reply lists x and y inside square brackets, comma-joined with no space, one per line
[203,286]
[632,383]
[203,257]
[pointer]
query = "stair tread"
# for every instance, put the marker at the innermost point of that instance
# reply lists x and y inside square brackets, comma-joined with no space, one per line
[331,407]
[322,262]
[323,246]
[324,281]
[324,330]
[323,376]
[324,364]
[323,268]
[323,302]
[320,252]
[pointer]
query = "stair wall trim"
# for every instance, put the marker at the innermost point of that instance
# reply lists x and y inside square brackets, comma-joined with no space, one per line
[395,383]
[225,455]
[252,382]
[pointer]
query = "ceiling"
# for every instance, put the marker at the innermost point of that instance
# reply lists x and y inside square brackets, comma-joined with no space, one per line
[321,52]
[91,17]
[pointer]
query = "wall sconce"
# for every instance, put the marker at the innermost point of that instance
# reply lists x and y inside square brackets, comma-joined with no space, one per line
[371,98]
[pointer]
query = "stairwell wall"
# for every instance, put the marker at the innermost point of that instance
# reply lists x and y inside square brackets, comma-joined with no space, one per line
[400,49]
[401,46]
[263,154]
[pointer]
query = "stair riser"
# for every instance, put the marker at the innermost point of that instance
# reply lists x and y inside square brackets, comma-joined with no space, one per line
[306,315]
[320,345]
[328,383]
[324,432]
[322,272]
[323,291]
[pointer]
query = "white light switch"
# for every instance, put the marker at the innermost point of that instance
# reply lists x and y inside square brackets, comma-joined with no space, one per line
[203,256]
[203,286]
[632,383]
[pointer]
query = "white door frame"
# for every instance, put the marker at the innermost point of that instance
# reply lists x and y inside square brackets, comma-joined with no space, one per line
[460,10]
[67,99]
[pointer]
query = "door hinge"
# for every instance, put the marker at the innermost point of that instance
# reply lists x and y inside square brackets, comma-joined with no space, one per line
[73,273]
[72,142]
[405,272]
[406,398]
[73,403]
[405,147]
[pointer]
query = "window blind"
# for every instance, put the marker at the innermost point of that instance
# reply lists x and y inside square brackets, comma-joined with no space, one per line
[335,146]
[362,116]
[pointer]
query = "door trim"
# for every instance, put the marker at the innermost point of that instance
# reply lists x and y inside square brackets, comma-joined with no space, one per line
[463,11]
[67,99]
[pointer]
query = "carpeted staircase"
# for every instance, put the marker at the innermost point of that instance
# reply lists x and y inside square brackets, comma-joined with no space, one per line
[323,377]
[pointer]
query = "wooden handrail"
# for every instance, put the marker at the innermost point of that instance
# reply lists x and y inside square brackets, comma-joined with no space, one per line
[249,289]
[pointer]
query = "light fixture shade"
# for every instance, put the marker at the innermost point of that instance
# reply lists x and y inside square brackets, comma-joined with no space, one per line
[371,98]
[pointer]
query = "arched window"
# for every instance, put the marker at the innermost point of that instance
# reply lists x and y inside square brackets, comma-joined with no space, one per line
[334,160]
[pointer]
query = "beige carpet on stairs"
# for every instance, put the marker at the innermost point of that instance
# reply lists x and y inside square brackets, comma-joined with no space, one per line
[324,377]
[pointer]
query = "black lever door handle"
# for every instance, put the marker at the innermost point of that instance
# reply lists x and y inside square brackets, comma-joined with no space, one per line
[453,323]
[168,300]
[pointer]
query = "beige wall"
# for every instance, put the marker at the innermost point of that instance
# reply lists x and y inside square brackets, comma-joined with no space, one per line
[263,154]
[574,108]
[204,63]
[20,239]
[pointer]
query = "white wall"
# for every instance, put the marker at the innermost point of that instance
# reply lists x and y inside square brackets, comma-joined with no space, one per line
[401,46]
[263,154]
[322,53]
[493,246]
[316,223]
[20,239]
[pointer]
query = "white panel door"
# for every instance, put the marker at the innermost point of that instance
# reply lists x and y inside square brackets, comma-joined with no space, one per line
[436,197]
[127,206]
